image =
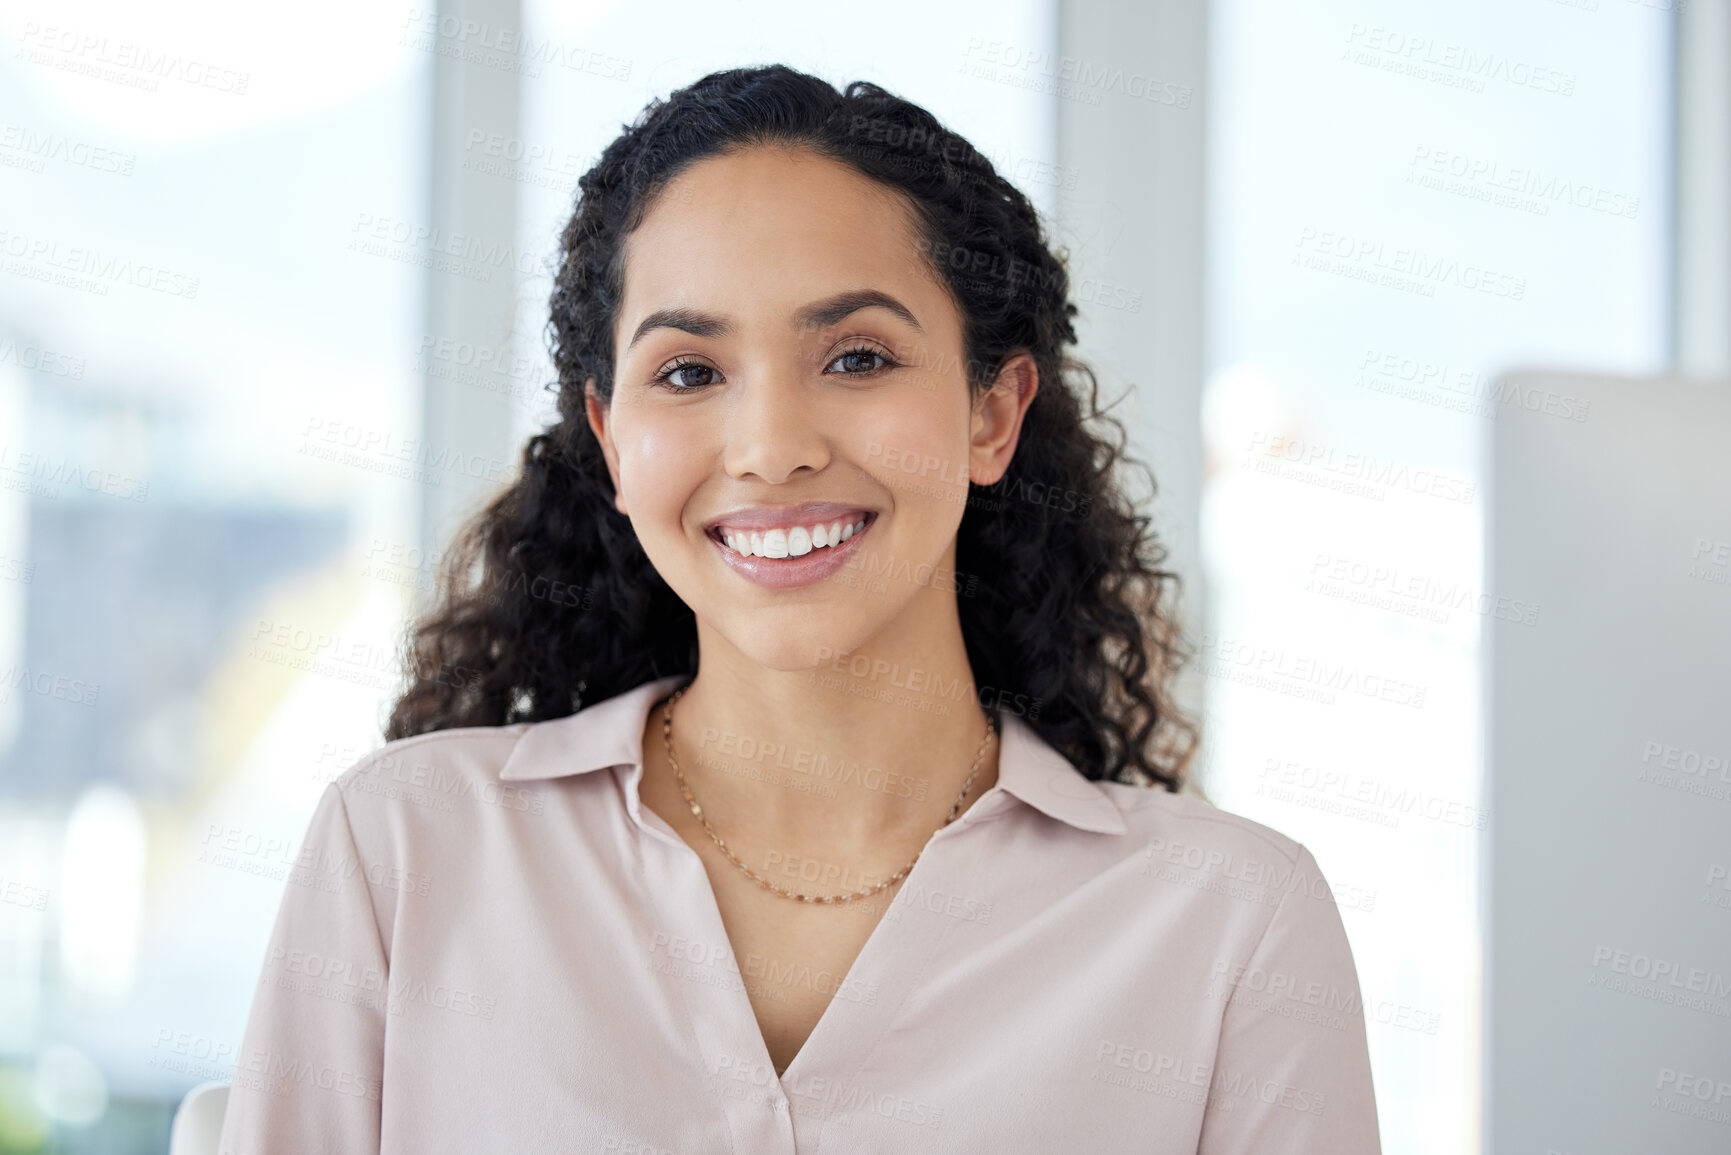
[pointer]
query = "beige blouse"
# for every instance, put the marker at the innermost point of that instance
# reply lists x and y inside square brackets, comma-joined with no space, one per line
[489,944]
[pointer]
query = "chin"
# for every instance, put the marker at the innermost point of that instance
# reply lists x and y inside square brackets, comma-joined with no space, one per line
[790,644]
[800,653]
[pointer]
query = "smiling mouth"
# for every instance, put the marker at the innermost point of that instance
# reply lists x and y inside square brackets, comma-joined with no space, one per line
[793,541]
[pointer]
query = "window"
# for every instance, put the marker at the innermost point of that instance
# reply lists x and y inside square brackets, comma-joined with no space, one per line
[1406,202]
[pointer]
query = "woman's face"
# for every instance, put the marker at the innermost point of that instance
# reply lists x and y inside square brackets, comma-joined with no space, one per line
[786,360]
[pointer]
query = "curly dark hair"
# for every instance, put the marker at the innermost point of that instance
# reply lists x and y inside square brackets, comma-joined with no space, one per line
[546,600]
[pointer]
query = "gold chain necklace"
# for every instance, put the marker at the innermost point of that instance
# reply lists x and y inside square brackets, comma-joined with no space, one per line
[667,738]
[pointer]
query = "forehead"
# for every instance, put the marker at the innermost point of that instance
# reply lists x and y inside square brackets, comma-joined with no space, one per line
[771,228]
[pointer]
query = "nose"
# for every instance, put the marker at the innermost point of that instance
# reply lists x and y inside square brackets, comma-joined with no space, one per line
[774,428]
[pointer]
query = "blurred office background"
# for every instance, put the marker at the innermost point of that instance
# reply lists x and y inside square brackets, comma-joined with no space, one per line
[272,289]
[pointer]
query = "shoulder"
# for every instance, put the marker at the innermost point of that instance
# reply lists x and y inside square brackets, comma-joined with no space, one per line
[412,783]
[1191,831]
[466,750]
[1189,845]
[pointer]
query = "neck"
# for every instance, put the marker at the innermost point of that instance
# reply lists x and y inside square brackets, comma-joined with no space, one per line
[867,751]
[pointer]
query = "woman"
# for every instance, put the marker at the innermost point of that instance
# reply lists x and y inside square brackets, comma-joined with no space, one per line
[791,763]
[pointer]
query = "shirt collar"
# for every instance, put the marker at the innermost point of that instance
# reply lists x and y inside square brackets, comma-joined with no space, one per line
[610,733]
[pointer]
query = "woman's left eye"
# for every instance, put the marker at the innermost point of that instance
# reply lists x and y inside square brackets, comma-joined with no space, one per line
[857,362]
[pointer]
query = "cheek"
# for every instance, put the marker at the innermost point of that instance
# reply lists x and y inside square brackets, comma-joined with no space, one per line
[660,462]
[914,448]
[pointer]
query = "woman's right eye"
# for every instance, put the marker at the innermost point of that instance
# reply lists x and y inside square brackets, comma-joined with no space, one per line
[674,376]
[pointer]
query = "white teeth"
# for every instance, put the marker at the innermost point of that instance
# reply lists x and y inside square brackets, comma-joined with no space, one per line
[795,542]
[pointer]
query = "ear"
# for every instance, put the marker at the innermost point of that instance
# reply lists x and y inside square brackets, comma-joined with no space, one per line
[598,422]
[998,418]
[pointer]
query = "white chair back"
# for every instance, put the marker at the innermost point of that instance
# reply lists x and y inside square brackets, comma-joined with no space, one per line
[198,1120]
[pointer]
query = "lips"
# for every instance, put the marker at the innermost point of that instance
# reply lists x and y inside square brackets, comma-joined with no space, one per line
[795,542]
[781,532]
[784,546]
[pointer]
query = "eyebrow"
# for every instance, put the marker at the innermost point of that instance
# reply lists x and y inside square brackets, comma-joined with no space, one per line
[818,315]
